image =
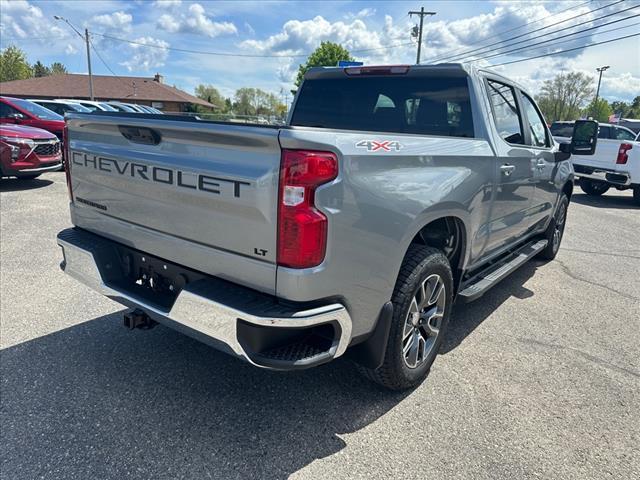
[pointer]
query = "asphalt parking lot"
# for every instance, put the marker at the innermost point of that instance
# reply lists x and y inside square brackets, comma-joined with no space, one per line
[539,379]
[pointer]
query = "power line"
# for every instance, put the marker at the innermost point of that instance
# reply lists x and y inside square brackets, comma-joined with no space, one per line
[124,82]
[465,54]
[559,31]
[452,52]
[565,51]
[527,47]
[230,54]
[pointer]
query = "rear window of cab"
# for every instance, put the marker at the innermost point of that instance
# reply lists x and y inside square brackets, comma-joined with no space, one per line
[416,105]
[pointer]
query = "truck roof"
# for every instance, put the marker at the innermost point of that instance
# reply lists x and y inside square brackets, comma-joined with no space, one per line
[453,69]
[333,72]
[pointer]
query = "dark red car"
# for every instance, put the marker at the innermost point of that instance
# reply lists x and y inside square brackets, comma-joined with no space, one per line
[27,152]
[23,112]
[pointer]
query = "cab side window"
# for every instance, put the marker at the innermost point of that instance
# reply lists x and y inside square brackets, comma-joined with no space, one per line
[537,128]
[622,134]
[505,112]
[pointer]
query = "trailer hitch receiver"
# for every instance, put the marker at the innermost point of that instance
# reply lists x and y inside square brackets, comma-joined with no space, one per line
[138,319]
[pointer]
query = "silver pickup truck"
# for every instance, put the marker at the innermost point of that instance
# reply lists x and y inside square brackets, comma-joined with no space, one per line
[390,192]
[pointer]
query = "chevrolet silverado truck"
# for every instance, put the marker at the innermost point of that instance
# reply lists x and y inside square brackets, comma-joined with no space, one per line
[390,192]
[615,163]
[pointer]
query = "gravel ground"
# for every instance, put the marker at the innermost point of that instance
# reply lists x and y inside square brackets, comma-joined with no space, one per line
[539,379]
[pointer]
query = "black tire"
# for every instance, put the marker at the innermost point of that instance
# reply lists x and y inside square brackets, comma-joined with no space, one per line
[28,177]
[555,230]
[636,195]
[593,187]
[422,265]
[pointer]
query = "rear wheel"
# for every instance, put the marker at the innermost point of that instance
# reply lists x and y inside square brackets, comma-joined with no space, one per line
[422,305]
[593,187]
[555,230]
[636,194]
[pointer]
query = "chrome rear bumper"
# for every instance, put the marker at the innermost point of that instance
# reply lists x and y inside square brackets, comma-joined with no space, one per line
[614,177]
[220,313]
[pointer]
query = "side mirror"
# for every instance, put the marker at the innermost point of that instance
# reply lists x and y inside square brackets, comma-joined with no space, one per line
[585,137]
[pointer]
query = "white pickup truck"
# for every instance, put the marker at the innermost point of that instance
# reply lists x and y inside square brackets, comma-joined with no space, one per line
[616,162]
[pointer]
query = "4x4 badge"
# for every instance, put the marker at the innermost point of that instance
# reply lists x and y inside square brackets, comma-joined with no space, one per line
[379,146]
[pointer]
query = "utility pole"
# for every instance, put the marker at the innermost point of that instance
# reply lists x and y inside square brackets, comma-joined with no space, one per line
[599,70]
[85,38]
[422,14]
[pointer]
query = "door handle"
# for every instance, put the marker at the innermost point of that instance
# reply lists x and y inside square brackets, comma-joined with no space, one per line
[507,169]
[541,164]
[146,136]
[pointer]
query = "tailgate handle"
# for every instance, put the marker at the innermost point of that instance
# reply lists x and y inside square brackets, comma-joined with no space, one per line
[143,135]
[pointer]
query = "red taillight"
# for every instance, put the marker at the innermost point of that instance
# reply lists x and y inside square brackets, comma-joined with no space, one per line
[622,153]
[302,228]
[67,160]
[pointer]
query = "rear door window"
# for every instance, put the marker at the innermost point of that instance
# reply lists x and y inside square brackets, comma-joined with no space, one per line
[604,132]
[505,112]
[421,105]
[623,134]
[537,128]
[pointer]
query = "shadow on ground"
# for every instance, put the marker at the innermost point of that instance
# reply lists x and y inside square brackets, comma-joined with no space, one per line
[466,317]
[605,201]
[18,185]
[98,401]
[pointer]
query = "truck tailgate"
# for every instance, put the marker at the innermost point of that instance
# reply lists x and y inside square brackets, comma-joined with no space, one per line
[201,194]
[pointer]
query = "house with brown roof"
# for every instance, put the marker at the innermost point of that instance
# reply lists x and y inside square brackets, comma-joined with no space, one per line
[150,91]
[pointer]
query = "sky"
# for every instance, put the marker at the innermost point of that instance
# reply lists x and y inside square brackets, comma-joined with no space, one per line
[284,32]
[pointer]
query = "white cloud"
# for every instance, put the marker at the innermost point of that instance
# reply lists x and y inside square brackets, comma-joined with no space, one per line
[365,12]
[145,58]
[167,3]
[302,36]
[624,85]
[195,21]
[445,40]
[249,28]
[70,49]
[114,22]
[20,19]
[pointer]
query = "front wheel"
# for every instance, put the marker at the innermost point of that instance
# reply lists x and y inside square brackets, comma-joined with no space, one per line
[593,187]
[555,230]
[28,177]
[422,301]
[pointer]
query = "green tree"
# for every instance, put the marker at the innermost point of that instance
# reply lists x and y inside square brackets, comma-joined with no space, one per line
[622,108]
[328,54]
[563,97]
[210,94]
[40,69]
[254,101]
[599,110]
[14,65]
[244,101]
[57,68]
[634,111]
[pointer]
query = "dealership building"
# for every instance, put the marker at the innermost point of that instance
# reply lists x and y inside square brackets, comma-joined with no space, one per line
[150,91]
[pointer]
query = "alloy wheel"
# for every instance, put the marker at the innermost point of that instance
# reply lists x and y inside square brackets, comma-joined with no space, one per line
[424,320]
[559,226]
